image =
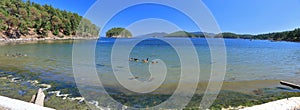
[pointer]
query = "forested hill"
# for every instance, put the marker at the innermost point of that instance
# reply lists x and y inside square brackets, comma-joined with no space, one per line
[293,36]
[32,20]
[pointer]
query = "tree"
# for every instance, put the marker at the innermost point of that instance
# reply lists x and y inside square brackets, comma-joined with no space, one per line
[23,28]
[23,13]
[18,16]
[12,22]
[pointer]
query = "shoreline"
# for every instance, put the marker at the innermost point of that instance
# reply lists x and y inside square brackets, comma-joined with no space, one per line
[4,41]
[268,95]
[33,40]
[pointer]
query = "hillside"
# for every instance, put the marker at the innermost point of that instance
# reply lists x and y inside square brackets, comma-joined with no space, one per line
[233,35]
[153,35]
[293,36]
[20,19]
[180,34]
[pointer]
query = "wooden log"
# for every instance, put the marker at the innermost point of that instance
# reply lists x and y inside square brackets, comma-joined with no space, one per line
[292,85]
[38,98]
[33,99]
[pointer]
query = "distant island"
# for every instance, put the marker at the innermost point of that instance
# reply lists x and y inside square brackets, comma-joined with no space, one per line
[118,32]
[19,19]
[153,35]
[293,36]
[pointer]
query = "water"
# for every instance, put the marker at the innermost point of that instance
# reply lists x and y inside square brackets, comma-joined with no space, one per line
[246,60]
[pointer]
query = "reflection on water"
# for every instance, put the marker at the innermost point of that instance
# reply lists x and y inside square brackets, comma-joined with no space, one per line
[246,60]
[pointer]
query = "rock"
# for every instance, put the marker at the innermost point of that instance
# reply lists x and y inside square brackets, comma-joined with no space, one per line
[135,77]
[258,92]
[45,86]
[58,94]
[34,82]
[80,99]
[16,79]
[3,78]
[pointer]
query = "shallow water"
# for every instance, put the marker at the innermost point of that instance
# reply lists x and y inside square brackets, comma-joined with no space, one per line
[247,61]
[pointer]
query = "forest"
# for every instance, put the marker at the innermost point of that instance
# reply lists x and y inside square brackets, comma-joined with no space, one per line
[28,19]
[293,36]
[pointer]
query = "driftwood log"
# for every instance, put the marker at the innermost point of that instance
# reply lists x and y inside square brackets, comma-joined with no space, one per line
[292,85]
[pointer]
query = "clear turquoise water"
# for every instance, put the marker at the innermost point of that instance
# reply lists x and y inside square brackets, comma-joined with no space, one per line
[246,60]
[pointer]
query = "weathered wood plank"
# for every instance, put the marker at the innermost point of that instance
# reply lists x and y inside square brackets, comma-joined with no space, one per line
[40,97]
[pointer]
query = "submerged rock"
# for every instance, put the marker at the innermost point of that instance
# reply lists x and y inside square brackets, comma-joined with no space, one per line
[46,86]
[16,79]
[58,94]
[80,99]
[34,82]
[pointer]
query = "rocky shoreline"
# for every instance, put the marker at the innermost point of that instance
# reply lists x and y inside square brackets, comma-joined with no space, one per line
[4,41]
[45,87]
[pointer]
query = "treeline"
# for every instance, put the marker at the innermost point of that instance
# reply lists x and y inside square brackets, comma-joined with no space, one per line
[182,34]
[208,35]
[233,35]
[29,19]
[293,36]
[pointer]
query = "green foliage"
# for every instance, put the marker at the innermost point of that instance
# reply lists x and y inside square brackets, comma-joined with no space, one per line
[279,36]
[121,32]
[180,34]
[293,36]
[18,16]
[55,32]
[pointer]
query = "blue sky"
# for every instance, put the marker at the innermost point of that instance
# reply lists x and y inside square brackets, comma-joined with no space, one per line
[239,16]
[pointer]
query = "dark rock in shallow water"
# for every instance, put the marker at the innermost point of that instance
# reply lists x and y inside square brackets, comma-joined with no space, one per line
[232,79]
[136,77]
[258,92]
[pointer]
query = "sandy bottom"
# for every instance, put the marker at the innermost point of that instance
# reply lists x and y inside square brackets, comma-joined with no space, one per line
[238,86]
